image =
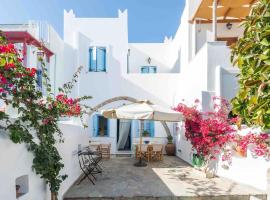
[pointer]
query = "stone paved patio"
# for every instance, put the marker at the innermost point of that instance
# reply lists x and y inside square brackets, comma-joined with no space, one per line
[170,179]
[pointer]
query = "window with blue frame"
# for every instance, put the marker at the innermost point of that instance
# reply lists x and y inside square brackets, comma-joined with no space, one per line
[148,129]
[100,126]
[97,59]
[148,69]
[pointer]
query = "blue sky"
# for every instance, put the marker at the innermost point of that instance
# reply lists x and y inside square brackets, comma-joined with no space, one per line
[149,20]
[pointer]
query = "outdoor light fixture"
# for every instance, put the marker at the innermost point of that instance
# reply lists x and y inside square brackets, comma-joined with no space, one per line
[149,60]
[229,26]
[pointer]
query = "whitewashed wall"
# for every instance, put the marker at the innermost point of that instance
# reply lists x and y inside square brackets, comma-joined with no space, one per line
[242,169]
[162,56]
[202,31]
[16,161]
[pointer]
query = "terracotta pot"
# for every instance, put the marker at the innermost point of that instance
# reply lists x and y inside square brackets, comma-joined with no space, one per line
[17,190]
[170,149]
[240,152]
[53,196]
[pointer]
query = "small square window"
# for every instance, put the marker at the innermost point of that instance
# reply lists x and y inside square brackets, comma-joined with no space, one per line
[97,59]
[148,69]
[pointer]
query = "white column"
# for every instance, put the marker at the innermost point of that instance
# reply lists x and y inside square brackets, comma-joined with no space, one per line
[214,20]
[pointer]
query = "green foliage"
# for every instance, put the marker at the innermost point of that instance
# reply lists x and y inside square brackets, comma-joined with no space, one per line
[170,139]
[145,133]
[36,124]
[251,55]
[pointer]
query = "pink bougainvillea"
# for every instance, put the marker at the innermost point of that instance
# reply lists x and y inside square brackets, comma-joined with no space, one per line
[211,132]
[70,106]
[208,132]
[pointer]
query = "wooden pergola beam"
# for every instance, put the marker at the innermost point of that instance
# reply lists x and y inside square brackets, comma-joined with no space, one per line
[218,21]
[226,13]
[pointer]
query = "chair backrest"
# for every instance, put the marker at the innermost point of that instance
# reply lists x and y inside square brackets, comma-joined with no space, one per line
[144,147]
[157,147]
[105,146]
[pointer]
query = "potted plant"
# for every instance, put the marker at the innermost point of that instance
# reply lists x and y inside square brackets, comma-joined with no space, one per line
[170,146]
[18,190]
[145,133]
[197,160]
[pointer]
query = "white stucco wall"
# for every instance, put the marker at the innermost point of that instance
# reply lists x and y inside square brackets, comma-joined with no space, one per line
[202,31]
[16,161]
[162,55]
[241,170]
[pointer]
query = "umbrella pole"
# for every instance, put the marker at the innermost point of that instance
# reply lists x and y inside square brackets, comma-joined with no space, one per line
[141,163]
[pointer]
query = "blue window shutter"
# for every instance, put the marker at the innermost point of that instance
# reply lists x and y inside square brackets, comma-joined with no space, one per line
[108,128]
[92,60]
[152,128]
[153,69]
[144,70]
[101,59]
[39,78]
[95,125]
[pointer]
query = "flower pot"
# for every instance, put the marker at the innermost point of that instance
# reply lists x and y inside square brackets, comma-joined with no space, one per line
[53,196]
[18,190]
[240,152]
[170,149]
[197,160]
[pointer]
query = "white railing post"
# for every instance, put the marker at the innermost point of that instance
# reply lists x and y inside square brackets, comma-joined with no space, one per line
[214,20]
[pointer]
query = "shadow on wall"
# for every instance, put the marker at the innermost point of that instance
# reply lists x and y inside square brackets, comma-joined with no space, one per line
[163,59]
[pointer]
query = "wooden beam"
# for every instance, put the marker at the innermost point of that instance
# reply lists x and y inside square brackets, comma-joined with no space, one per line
[226,13]
[221,21]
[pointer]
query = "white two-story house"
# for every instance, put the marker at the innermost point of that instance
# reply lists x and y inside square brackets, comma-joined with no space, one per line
[193,64]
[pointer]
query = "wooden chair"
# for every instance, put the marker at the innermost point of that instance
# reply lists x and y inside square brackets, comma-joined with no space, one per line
[146,152]
[157,152]
[105,150]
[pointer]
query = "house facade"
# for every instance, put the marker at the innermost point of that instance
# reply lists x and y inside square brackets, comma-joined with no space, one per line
[194,64]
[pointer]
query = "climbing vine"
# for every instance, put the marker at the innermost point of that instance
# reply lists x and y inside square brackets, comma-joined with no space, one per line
[38,116]
[251,55]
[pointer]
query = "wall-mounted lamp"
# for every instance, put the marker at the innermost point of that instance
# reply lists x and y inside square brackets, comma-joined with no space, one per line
[229,26]
[149,60]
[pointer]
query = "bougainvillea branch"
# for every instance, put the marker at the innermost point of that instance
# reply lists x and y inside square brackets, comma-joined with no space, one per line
[38,116]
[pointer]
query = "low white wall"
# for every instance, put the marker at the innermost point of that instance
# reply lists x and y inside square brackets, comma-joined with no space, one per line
[16,161]
[74,135]
[250,171]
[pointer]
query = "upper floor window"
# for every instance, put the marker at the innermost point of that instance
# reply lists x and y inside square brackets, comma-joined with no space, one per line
[148,69]
[97,59]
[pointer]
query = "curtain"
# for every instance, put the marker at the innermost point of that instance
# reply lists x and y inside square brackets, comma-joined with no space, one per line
[124,130]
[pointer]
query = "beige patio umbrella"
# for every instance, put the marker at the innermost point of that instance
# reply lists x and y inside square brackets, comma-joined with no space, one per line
[143,110]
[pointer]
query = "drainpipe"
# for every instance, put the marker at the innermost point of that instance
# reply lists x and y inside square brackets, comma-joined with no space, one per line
[214,20]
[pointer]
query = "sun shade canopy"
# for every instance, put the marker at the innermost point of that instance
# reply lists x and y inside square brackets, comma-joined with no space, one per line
[143,111]
[227,10]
